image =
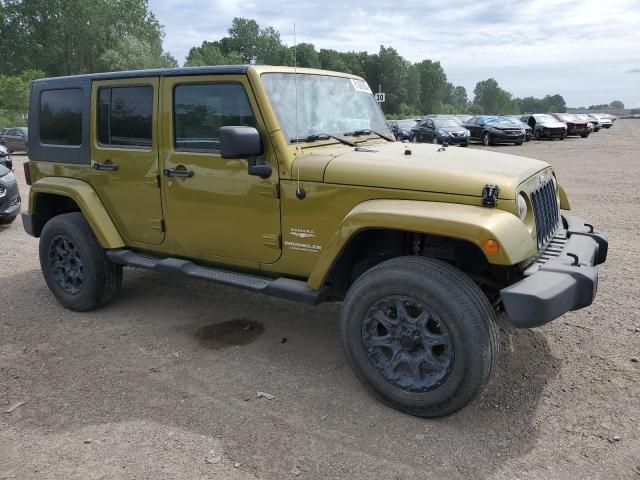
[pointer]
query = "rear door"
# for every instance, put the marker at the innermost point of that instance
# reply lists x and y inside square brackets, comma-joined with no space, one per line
[125,155]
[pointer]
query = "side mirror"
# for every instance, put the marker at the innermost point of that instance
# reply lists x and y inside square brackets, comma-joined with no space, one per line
[244,142]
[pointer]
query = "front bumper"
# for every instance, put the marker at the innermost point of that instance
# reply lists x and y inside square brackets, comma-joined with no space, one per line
[10,202]
[451,140]
[563,278]
[499,137]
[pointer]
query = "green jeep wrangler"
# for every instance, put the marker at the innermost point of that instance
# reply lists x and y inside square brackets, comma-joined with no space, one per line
[289,183]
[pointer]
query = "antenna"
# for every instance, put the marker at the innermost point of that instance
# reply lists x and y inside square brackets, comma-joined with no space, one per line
[300,193]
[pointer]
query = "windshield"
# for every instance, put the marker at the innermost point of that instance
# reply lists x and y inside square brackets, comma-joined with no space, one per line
[407,123]
[497,120]
[545,118]
[326,104]
[445,122]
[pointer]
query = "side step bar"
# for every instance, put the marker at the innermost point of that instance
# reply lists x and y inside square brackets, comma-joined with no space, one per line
[286,288]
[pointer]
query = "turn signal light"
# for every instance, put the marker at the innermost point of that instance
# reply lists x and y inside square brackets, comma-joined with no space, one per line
[491,246]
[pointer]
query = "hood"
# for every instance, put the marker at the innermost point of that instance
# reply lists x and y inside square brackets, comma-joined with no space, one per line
[452,129]
[551,124]
[3,170]
[455,170]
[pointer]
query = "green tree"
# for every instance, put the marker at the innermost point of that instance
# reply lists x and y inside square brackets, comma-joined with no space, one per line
[64,37]
[617,104]
[209,53]
[14,97]
[131,53]
[307,56]
[492,99]
[433,86]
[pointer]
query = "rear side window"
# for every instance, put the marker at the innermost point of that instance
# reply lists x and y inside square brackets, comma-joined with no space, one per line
[61,117]
[200,110]
[125,116]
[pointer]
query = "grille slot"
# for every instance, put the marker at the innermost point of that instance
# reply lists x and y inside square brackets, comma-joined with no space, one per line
[546,212]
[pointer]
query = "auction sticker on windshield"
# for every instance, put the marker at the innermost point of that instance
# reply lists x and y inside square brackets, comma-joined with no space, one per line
[360,85]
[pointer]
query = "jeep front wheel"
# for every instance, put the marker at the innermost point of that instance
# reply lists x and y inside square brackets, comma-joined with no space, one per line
[75,266]
[420,335]
[486,139]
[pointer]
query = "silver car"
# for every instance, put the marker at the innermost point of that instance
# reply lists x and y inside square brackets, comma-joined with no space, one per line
[15,139]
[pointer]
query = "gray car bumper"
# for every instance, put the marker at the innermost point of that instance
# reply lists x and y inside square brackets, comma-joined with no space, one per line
[562,279]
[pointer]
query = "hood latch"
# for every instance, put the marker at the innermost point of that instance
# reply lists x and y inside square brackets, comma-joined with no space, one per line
[490,195]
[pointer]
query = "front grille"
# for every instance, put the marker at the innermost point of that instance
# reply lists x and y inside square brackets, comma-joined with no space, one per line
[545,211]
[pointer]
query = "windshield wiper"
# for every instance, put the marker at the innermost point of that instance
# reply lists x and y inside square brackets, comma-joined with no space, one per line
[367,131]
[322,136]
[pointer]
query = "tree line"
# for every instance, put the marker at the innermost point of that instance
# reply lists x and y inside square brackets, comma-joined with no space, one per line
[66,37]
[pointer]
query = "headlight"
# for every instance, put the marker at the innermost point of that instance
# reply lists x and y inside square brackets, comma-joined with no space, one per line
[8,178]
[3,191]
[522,207]
[467,133]
[442,133]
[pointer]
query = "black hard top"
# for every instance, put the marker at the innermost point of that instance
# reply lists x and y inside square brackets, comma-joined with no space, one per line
[158,72]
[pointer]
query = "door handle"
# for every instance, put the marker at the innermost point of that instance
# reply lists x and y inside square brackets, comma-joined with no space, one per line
[107,166]
[177,172]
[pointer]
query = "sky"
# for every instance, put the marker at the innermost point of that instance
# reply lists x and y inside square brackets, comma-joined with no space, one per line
[588,51]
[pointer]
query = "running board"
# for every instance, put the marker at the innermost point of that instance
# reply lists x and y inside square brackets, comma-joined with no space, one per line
[286,288]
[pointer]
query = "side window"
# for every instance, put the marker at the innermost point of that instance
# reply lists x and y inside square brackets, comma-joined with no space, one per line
[429,124]
[61,117]
[199,110]
[125,116]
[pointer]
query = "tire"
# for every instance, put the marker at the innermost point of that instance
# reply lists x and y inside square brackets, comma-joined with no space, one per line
[585,135]
[518,143]
[434,140]
[464,144]
[7,220]
[414,139]
[563,137]
[536,135]
[458,315]
[486,139]
[84,278]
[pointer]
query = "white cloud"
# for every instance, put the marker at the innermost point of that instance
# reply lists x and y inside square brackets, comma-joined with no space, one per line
[583,51]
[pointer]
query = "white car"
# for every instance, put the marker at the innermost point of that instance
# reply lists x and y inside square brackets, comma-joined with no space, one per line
[604,119]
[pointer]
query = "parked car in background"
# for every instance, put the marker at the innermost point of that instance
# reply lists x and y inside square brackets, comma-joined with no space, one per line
[491,129]
[440,130]
[402,128]
[575,125]
[528,131]
[16,139]
[605,120]
[5,157]
[9,196]
[545,126]
[597,125]
[464,118]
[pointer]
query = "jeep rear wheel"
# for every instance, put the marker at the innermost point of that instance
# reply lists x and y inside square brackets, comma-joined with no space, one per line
[420,335]
[75,266]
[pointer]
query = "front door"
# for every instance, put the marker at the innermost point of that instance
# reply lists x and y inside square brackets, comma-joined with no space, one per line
[124,156]
[214,208]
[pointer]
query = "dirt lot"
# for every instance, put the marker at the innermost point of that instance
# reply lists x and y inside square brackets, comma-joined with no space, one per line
[152,386]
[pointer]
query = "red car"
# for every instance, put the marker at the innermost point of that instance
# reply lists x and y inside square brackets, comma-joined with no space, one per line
[575,125]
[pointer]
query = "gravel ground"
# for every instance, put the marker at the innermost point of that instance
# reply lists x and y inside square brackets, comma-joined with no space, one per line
[157,385]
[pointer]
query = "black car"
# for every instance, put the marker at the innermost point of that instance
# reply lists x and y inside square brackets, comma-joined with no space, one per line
[402,128]
[9,196]
[5,157]
[491,129]
[528,131]
[440,130]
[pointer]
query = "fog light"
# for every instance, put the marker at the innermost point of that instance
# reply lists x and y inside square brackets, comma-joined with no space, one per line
[491,246]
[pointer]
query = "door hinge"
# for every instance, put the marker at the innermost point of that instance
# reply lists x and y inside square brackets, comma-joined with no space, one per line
[157,225]
[272,240]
